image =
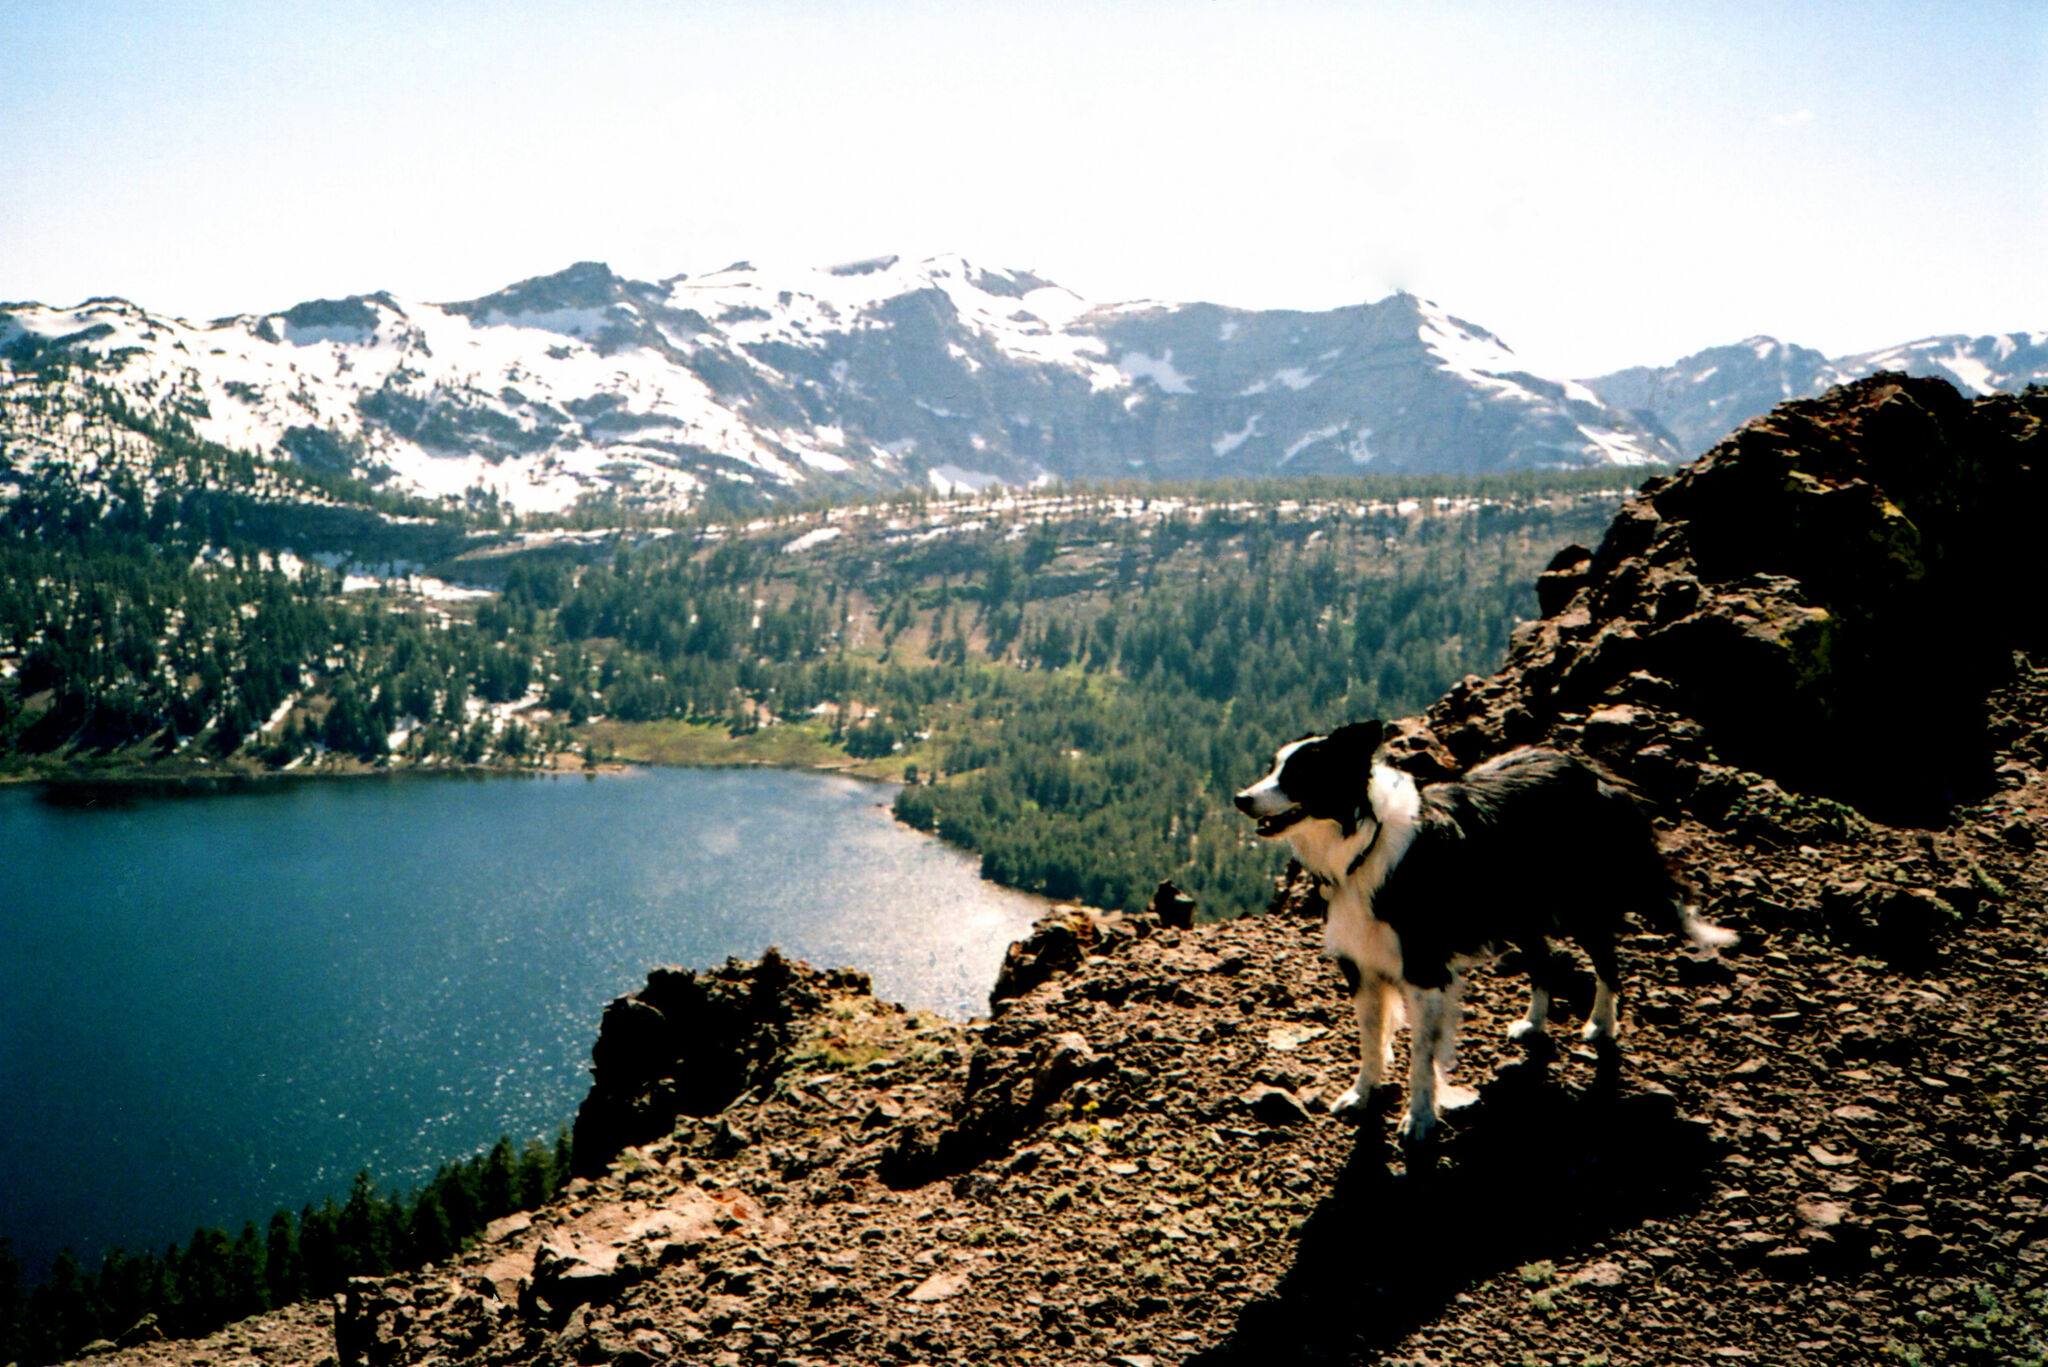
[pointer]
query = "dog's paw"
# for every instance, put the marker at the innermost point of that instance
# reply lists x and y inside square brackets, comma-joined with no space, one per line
[1416,1126]
[1450,1097]
[1353,1102]
[1598,1035]
[1534,1041]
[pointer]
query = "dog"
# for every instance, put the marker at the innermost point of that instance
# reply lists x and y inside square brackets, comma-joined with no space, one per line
[1425,880]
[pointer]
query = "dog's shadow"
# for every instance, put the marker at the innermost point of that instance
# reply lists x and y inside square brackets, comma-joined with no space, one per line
[1531,1171]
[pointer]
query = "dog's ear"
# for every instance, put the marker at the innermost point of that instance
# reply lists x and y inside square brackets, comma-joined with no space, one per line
[1353,745]
[1357,740]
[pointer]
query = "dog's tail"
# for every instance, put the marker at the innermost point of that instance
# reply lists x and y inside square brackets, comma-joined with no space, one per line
[1705,934]
[1652,879]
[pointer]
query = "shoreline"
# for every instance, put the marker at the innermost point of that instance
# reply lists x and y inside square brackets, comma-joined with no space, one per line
[665,744]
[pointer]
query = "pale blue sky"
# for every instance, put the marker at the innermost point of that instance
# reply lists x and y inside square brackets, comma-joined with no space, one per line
[1600,184]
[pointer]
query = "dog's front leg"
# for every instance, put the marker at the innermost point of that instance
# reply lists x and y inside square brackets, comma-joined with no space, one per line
[1429,1017]
[1369,1004]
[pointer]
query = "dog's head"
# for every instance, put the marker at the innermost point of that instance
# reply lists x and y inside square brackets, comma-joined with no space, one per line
[1317,778]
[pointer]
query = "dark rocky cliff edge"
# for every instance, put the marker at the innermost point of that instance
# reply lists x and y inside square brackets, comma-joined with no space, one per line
[1817,649]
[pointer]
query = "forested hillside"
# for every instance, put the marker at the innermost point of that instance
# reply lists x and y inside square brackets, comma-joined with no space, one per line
[1072,682]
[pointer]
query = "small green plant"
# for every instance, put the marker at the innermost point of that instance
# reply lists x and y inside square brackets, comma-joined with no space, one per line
[1542,1276]
[2003,1329]
[1985,881]
[1772,816]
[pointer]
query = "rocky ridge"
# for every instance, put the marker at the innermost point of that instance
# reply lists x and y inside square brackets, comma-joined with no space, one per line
[1830,1145]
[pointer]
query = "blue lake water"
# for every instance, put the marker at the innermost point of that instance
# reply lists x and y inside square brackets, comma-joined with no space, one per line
[214,1006]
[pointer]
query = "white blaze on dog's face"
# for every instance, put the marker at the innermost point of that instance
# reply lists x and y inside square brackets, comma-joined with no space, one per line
[1317,778]
[1268,801]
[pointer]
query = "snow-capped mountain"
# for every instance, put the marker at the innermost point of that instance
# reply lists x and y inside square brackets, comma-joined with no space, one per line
[873,375]
[1705,396]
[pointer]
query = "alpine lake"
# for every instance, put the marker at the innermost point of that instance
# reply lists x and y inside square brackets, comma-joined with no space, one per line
[214,1004]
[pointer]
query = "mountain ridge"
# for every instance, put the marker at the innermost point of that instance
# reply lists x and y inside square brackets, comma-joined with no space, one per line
[1701,398]
[867,376]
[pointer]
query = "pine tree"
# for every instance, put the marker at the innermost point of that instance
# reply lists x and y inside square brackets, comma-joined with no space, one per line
[362,1245]
[499,1190]
[283,1276]
[536,1175]
[247,1293]
[320,1252]
[13,1305]
[428,1232]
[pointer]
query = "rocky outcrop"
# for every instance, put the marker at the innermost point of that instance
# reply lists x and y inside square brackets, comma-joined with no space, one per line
[1061,940]
[1010,1089]
[688,1043]
[1826,598]
[1171,907]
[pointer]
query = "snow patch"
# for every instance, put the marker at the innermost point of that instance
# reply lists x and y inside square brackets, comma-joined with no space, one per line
[1230,441]
[1308,439]
[954,479]
[810,539]
[1136,365]
[1971,371]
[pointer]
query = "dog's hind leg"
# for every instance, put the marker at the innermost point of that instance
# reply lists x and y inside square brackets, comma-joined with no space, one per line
[1447,1038]
[1369,1001]
[1450,1096]
[1429,1011]
[1532,1031]
[1600,1026]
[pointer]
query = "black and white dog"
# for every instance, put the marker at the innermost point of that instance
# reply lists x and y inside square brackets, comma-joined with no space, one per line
[1425,880]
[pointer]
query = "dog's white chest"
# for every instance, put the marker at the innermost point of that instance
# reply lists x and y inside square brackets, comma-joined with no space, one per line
[1353,932]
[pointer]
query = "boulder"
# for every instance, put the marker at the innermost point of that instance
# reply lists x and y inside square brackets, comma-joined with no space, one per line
[688,1043]
[1008,1093]
[1173,908]
[565,1279]
[1062,939]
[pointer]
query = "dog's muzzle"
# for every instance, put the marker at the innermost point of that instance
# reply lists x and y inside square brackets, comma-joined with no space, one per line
[1271,824]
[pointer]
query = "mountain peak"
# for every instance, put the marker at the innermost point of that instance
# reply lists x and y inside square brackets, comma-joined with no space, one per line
[584,285]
